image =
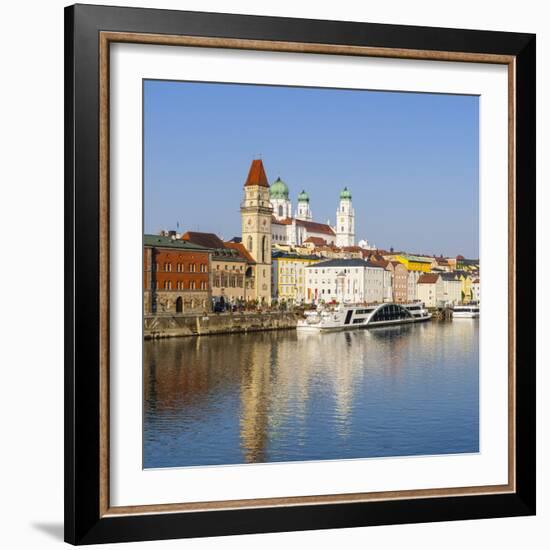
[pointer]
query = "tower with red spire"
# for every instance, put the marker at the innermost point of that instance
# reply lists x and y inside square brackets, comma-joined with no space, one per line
[256,212]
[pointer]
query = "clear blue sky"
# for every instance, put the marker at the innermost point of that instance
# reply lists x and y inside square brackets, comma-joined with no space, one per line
[411,160]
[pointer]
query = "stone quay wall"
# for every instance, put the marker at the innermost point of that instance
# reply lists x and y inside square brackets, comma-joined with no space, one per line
[169,326]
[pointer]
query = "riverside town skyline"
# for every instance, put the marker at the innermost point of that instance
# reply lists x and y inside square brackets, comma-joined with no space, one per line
[410,159]
[283,255]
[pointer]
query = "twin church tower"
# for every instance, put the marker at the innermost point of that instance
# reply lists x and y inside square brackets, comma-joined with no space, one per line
[266,217]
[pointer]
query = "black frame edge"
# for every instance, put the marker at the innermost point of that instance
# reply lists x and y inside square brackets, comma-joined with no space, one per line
[81,274]
[69,504]
[82,522]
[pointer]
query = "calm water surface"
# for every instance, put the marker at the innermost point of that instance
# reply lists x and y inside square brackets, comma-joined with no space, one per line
[282,396]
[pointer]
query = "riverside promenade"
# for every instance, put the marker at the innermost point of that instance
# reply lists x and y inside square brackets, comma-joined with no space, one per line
[170,326]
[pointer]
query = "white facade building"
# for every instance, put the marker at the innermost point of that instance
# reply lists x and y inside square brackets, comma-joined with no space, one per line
[363,243]
[452,289]
[430,289]
[344,280]
[388,286]
[475,290]
[412,289]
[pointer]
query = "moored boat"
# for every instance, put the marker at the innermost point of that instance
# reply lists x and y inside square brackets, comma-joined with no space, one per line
[466,311]
[348,316]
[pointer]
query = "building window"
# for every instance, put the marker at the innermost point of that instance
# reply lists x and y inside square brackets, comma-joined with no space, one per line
[203,285]
[167,285]
[192,268]
[192,285]
[203,268]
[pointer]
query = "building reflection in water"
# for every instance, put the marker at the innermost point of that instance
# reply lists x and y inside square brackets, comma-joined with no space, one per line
[280,396]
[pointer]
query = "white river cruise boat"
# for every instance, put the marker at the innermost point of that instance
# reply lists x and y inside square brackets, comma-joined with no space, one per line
[347,316]
[466,311]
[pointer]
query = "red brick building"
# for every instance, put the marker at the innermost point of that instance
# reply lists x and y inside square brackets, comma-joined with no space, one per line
[176,276]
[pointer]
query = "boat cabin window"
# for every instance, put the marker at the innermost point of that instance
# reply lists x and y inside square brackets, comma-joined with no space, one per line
[391,313]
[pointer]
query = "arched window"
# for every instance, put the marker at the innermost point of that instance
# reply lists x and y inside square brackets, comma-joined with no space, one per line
[179,304]
[281,210]
[249,244]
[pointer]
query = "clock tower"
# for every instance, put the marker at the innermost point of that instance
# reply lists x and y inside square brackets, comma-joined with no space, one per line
[256,212]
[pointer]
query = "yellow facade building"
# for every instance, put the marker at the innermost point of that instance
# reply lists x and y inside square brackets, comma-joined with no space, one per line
[467,291]
[288,276]
[415,263]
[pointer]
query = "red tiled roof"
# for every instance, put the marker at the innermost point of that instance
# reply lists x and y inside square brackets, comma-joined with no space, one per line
[241,249]
[208,240]
[315,227]
[312,227]
[315,240]
[428,278]
[352,249]
[256,174]
[381,263]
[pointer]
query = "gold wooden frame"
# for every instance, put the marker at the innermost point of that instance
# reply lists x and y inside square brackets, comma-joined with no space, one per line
[105,39]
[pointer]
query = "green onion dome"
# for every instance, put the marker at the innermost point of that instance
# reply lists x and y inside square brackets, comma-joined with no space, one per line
[345,194]
[303,197]
[278,190]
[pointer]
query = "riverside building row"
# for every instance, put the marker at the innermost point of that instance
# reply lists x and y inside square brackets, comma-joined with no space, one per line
[292,258]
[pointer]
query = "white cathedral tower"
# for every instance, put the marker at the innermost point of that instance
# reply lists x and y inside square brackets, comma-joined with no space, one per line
[345,220]
[303,212]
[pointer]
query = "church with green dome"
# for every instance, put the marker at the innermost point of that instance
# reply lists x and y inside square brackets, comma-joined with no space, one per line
[298,227]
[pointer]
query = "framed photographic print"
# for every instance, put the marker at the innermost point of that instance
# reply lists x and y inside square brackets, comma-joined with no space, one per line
[300,274]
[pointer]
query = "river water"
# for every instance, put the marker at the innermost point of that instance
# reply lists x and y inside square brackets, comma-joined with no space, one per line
[285,396]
